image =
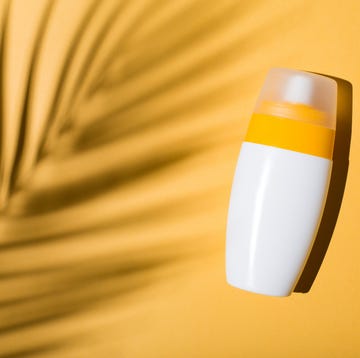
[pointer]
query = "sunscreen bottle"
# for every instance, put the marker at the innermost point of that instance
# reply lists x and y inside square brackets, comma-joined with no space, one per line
[281,182]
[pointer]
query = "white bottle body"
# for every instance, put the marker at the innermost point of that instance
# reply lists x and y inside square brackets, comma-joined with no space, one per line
[276,204]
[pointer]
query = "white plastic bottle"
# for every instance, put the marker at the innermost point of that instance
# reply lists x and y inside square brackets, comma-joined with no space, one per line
[281,182]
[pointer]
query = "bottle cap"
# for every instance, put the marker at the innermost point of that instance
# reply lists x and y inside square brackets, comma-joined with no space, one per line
[299,95]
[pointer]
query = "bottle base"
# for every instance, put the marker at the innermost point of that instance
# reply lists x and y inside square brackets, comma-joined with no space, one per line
[257,290]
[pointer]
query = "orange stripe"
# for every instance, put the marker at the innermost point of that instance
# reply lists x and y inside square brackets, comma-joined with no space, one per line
[291,134]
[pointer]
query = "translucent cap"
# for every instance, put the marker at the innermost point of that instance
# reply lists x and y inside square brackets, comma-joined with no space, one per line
[299,95]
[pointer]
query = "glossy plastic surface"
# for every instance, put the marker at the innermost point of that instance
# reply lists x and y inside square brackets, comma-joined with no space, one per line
[276,204]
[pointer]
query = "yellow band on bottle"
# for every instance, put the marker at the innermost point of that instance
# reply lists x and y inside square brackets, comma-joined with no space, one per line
[291,134]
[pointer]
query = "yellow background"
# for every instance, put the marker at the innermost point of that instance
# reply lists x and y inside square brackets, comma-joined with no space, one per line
[121,122]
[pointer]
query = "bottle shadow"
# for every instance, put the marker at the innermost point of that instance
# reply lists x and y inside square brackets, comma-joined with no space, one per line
[336,186]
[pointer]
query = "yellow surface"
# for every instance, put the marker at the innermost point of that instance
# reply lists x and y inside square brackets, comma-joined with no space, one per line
[291,134]
[121,123]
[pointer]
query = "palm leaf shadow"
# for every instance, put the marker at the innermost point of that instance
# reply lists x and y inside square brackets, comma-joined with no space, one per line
[28,95]
[76,288]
